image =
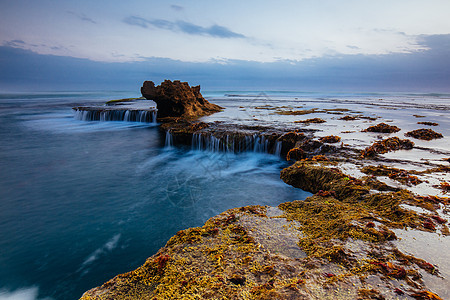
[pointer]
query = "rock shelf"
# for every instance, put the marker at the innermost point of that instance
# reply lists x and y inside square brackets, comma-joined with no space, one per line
[340,243]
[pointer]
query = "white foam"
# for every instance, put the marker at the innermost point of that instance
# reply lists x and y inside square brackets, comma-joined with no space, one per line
[110,245]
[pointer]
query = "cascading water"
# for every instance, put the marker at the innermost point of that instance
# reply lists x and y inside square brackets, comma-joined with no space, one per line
[278,146]
[169,140]
[234,144]
[144,116]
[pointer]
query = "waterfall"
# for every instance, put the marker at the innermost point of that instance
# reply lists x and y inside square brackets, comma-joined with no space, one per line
[169,140]
[233,144]
[101,114]
[278,146]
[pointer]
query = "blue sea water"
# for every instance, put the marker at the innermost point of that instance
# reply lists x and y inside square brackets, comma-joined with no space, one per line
[81,202]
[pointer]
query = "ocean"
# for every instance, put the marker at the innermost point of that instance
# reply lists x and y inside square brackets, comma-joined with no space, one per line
[83,201]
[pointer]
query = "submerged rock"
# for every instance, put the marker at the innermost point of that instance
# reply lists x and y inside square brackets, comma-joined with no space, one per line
[178,99]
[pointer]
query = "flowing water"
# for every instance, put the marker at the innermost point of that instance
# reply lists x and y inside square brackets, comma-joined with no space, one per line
[82,201]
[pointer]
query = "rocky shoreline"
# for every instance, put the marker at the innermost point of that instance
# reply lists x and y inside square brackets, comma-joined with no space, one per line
[340,243]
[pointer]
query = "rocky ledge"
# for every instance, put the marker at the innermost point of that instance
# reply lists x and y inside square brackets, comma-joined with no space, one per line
[341,243]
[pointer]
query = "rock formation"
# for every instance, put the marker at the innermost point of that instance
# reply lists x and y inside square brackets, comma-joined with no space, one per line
[178,99]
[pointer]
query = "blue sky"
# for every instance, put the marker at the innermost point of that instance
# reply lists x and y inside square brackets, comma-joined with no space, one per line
[303,44]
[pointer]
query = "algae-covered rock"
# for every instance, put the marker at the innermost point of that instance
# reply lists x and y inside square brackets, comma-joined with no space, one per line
[383,128]
[424,134]
[325,247]
[313,120]
[330,139]
[386,145]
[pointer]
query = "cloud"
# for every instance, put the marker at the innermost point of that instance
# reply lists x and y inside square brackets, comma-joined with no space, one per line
[184,27]
[136,21]
[177,7]
[82,17]
[15,43]
[427,71]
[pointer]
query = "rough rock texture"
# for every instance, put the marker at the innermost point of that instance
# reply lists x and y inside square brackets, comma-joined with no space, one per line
[178,99]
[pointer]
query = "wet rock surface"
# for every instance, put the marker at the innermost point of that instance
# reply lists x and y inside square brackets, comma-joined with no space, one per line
[178,99]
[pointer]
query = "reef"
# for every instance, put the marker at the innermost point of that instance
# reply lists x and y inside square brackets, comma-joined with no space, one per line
[424,134]
[339,243]
[383,128]
[178,99]
[336,244]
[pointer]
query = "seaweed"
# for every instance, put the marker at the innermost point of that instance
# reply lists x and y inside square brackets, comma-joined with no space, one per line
[424,134]
[382,127]
[330,139]
[428,123]
[349,118]
[384,146]
[313,120]
[295,154]
[297,112]
[400,175]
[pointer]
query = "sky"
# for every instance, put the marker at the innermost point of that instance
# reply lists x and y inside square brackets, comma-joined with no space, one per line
[397,45]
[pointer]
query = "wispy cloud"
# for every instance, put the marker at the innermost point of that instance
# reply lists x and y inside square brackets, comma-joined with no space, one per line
[184,27]
[81,16]
[177,7]
[14,43]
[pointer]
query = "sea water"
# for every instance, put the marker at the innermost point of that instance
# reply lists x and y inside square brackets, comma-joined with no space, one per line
[81,202]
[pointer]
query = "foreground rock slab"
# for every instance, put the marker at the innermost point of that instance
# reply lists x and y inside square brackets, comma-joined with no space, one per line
[253,253]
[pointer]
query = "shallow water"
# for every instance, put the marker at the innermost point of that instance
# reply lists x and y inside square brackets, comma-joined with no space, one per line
[400,109]
[81,202]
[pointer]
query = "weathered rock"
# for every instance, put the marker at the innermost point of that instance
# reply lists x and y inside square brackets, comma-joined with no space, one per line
[178,99]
